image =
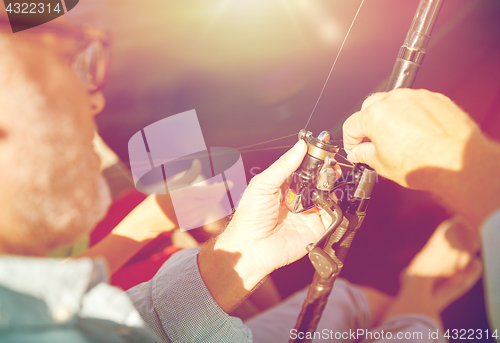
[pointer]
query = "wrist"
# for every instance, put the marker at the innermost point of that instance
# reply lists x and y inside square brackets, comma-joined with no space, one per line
[473,191]
[244,257]
[484,186]
[228,272]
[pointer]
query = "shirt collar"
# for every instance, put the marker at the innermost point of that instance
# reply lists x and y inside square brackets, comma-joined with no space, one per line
[60,284]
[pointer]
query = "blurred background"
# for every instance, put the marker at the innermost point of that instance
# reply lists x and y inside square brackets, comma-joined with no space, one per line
[253,70]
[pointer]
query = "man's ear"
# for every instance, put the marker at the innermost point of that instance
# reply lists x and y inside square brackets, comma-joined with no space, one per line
[97,102]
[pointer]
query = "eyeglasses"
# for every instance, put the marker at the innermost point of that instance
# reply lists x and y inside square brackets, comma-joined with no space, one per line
[91,59]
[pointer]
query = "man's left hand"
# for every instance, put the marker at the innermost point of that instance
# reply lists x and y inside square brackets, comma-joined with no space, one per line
[262,236]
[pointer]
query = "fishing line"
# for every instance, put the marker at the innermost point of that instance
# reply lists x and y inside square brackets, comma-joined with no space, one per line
[241,149]
[264,142]
[334,63]
[262,149]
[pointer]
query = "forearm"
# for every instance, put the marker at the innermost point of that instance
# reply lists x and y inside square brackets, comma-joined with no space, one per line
[228,272]
[145,222]
[135,231]
[116,250]
[474,190]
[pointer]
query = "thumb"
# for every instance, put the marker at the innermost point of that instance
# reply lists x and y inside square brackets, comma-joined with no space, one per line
[274,176]
[363,153]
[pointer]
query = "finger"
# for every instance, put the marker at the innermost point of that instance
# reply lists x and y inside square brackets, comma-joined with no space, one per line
[194,194]
[188,177]
[338,172]
[357,127]
[466,236]
[373,98]
[274,176]
[474,272]
[215,185]
[354,131]
[192,173]
[459,284]
[363,153]
[212,191]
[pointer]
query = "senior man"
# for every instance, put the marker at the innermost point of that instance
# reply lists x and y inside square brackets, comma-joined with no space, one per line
[52,194]
[422,140]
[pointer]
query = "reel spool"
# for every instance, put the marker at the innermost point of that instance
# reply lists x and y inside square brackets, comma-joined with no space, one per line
[315,174]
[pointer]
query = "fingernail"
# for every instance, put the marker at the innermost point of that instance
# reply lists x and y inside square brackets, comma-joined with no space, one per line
[299,145]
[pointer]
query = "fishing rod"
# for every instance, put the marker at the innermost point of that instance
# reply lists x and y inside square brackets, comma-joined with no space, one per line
[314,183]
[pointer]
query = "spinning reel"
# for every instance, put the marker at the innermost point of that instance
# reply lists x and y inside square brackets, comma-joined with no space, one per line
[316,174]
[314,184]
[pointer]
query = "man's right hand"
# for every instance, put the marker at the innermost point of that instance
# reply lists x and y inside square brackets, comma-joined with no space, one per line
[422,140]
[405,130]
